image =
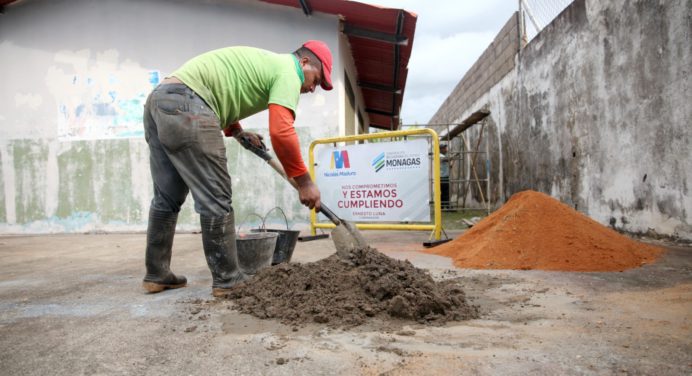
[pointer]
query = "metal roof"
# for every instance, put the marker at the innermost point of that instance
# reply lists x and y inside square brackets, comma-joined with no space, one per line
[381,40]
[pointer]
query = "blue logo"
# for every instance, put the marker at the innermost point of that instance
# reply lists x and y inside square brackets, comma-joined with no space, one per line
[378,162]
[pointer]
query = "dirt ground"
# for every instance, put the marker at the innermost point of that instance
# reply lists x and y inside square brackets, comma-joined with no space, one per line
[73,305]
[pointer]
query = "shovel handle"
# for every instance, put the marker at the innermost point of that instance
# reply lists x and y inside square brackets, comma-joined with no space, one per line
[259,151]
[280,170]
[323,209]
[330,214]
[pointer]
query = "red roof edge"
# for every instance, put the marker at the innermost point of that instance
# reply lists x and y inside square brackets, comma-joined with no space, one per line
[381,41]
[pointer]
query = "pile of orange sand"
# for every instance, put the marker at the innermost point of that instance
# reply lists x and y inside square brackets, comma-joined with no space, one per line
[534,231]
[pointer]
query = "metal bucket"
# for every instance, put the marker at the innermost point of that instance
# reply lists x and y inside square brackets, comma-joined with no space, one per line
[255,250]
[285,243]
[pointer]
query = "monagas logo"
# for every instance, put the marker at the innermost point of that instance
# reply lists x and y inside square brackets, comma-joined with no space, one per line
[396,160]
[378,162]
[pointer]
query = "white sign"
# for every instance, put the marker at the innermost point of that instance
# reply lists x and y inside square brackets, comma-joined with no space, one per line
[376,182]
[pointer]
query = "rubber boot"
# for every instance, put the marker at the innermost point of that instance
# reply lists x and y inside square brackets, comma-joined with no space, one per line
[160,234]
[218,239]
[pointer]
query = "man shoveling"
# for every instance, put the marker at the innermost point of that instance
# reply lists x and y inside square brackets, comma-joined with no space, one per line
[183,119]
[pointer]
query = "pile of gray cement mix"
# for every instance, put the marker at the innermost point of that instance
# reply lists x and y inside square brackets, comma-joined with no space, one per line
[346,293]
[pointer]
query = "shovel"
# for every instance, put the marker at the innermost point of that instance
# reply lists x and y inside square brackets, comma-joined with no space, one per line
[345,235]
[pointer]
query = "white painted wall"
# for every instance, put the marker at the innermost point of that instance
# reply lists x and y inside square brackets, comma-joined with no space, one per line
[61,53]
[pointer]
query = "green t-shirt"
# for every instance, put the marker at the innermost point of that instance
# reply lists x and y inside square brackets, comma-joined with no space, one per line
[237,82]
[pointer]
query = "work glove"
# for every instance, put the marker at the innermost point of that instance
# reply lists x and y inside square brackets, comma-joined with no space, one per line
[250,140]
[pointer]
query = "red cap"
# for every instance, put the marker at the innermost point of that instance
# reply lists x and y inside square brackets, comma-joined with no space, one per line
[322,52]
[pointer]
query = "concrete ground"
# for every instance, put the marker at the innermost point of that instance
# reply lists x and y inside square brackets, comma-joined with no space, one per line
[72,305]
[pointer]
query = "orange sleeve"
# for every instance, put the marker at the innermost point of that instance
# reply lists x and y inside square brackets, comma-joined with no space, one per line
[285,140]
[232,129]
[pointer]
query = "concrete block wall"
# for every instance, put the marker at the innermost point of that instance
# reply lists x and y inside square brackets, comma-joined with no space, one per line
[597,114]
[494,63]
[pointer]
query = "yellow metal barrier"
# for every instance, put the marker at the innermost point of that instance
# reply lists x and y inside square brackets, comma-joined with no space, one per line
[435,227]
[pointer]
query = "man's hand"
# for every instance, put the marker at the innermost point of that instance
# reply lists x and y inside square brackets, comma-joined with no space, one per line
[308,192]
[248,139]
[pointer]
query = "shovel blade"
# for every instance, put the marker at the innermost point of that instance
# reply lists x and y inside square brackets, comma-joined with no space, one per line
[346,238]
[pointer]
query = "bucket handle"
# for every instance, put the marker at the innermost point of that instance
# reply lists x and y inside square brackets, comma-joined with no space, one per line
[263,227]
[282,213]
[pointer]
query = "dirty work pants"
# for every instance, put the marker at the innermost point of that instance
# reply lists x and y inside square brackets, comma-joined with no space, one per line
[187,152]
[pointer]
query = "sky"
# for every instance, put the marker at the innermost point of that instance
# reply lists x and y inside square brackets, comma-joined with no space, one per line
[450,36]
